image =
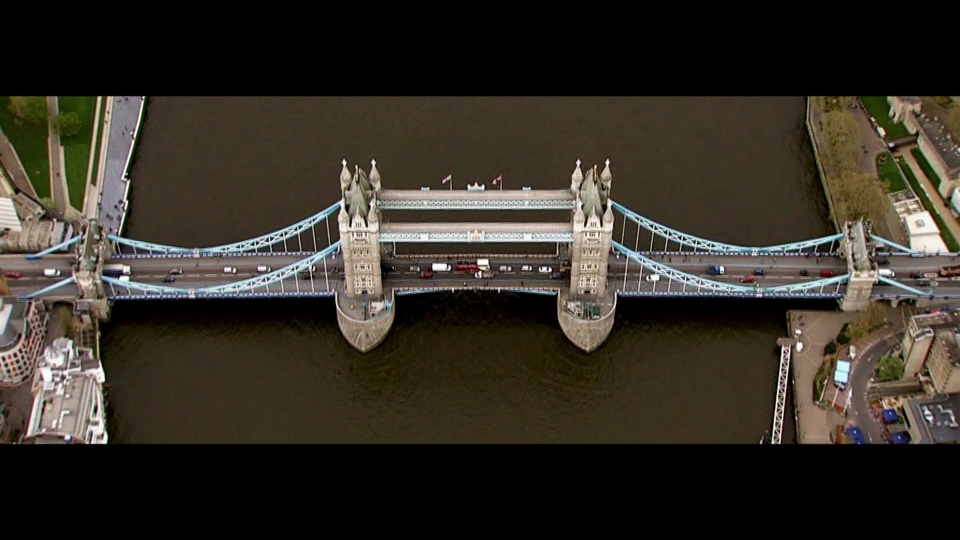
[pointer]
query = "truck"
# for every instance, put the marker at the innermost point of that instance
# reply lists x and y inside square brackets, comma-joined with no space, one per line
[948,271]
[467,268]
[483,264]
[116,270]
[716,270]
[441,267]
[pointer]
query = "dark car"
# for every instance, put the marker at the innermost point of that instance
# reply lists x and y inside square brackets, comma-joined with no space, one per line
[916,275]
[13,275]
[758,272]
[556,275]
[883,262]
[426,275]
[176,271]
[804,272]
[169,279]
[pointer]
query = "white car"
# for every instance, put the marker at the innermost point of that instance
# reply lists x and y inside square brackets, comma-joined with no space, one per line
[653,277]
[526,268]
[229,270]
[545,269]
[799,346]
[263,269]
[414,268]
[506,269]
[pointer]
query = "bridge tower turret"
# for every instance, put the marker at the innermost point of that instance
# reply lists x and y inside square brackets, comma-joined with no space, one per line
[359,222]
[586,310]
[863,273]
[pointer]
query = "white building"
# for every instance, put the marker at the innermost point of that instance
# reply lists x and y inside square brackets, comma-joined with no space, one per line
[69,404]
[924,233]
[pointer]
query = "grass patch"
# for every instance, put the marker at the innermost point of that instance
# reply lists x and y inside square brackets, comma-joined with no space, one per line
[76,149]
[945,233]
[30,141]
[888,171]
[820,379]
[927,169]
[879,109]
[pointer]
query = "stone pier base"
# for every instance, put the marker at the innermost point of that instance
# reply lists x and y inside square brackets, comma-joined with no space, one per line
[586,334]
[365,335]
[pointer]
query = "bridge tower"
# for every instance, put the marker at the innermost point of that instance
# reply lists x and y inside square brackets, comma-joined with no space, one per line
[586,311]
[90,256]
[363,313]
[863,273]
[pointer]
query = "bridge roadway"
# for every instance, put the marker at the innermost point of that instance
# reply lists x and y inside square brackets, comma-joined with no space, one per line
[208,271]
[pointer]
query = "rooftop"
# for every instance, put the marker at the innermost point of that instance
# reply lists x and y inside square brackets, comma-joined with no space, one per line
[936,418]
[11,320]
[950,342]
[941,139]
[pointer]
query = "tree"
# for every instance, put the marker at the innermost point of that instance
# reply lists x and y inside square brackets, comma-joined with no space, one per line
[859,195]
[891,369]
[18,106]
[867,321]
[841,135]
[37,111]
[67,124]
[830,348]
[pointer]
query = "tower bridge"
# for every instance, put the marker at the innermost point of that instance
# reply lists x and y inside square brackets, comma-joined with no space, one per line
[592,266]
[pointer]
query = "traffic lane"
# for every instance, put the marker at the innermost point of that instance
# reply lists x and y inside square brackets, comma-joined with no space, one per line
[860,377]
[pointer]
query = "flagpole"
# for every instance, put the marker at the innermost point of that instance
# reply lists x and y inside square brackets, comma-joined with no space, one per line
[451,182]
[500,182]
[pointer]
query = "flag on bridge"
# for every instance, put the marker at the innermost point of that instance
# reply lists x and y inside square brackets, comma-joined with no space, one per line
[497,179]
[447,179]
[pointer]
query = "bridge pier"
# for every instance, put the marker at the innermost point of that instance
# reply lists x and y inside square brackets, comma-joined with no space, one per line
[361,334]
[586,333]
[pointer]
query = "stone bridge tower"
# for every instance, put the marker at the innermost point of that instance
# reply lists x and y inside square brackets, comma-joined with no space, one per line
[863,272]
[359,222]
[592,231]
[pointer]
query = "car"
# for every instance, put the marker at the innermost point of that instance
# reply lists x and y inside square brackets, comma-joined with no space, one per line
[804,272]
[14,275]
[916,275]
[169,279]
[653,277]
[556,275]
[799,346]
[758,272]
[51,272]
[414,268]
[526,268]
[263,269]
[176,271]
[826,273]
[506,269]
[747,279]
[426,275]
[229,270]
[883,262]
[124,278]
[545,269]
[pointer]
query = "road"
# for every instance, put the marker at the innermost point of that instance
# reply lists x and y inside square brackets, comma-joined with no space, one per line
[860,376]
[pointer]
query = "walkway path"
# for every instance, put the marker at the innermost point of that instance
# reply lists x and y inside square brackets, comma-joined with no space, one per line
[91,194]
[121,127]
[58,178]
[932,193]
[15,171]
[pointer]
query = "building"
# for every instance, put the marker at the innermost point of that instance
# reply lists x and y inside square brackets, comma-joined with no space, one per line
[23,325]
[68,406]
[359,222]
[592,231]
[9,219]
[940,149]
[943,361]
[924,233]
[933,420]
[917,340]
[901,107]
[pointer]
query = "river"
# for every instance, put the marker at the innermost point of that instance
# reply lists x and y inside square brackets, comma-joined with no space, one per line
[464,368]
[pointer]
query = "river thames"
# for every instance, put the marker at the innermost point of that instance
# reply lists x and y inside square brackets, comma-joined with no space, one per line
[457,368]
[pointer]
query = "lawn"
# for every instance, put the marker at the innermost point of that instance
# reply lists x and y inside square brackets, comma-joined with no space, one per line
[927,169]
[888,170]
[945,233]
[30,141]
[76,149]
[879,109]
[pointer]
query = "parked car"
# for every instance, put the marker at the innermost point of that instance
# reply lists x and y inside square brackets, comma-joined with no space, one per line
[169,279]
[14,275]
[229,270]
[176,271]
[545,269]
[426,275]
[526,268]
[747,279]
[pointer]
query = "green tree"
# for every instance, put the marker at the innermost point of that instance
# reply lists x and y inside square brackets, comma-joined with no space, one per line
[859,195]
[830,348]
[18,106]
[37,111]
[891,368]
[841,135]
[867,321]
[67,124]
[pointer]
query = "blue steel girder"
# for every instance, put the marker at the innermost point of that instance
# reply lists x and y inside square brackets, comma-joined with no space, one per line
[145,287]
[475,204]
[709,245]
[912,290]
[714,294]
[881,240]
[246,245]
[717,286]
[47,289]
[58,247]
[466,237]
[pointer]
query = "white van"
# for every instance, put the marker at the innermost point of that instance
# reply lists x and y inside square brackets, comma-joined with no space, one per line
[51,272]
[886,272]
[853,352]
[229,270]
[653,277]
[263,269]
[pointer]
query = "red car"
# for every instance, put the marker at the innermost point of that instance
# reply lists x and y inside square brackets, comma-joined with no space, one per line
[826,273]
[13,275]
[426,275]
[747,279]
